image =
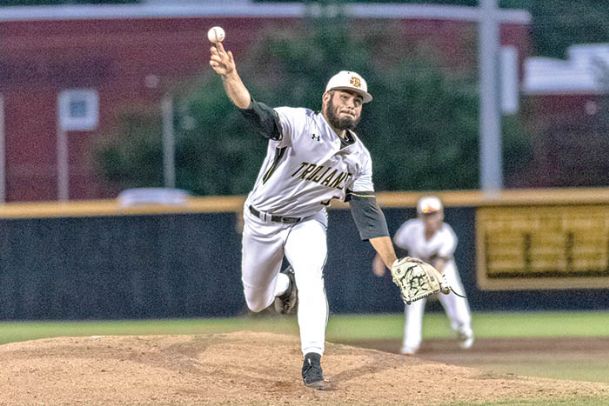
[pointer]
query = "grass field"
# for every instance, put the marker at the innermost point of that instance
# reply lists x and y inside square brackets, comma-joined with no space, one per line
[359,328]
[340,327]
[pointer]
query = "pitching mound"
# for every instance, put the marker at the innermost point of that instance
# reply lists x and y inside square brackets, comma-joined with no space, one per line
[244,368]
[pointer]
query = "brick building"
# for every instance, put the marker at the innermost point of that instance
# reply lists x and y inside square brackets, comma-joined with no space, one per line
[568,117]
[66,72]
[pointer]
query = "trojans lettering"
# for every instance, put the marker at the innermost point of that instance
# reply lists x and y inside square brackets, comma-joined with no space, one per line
[324,175]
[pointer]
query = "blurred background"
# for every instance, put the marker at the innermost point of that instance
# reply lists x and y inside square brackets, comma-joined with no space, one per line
[123,165]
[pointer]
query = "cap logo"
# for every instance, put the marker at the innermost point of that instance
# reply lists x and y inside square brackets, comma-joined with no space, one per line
[428,209]
[356,82]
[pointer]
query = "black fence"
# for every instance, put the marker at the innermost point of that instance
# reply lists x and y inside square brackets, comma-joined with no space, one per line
[188,265]
[184,265]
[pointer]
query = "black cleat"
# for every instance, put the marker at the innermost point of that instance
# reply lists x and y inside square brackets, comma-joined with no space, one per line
[286,303]
[312,375]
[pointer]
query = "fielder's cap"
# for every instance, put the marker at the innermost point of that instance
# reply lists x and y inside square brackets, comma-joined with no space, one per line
[429,205]
[347,80]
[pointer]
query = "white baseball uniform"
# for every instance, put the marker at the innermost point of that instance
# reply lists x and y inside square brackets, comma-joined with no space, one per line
[302,172]
[411,236]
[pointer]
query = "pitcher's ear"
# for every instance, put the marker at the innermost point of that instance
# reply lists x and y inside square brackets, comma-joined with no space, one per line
[327,96]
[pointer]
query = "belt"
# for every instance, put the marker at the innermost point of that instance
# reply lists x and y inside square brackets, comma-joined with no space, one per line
[276,219]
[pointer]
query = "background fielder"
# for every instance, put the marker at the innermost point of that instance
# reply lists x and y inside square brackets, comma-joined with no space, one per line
[429,238]
[312,158]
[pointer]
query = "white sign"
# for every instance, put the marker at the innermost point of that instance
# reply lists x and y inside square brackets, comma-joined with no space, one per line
[78,110]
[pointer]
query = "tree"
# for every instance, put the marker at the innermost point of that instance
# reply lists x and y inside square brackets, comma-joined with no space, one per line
[556,24]
[215,152]
[131,157]
[560,23]
[422,128]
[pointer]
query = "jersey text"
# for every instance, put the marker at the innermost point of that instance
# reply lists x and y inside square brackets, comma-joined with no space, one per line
[321,174]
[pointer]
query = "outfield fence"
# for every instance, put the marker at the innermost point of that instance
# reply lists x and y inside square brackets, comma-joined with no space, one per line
[518,250]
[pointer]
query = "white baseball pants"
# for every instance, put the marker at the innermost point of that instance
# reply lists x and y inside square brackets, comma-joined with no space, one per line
[456,308]
[264,245]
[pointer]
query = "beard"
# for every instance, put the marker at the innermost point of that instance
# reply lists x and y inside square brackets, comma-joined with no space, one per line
[339,123]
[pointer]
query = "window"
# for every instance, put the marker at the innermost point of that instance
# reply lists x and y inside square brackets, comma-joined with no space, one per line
[78,109]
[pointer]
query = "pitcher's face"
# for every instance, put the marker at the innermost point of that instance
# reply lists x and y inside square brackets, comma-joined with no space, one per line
[342,109]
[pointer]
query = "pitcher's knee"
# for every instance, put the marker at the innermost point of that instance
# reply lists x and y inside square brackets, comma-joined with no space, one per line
[256,302]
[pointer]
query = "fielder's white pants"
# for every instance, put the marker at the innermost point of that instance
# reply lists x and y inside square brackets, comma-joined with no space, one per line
[264,245]
[456,308]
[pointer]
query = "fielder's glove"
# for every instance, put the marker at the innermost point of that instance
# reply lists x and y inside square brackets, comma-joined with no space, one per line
[417,279]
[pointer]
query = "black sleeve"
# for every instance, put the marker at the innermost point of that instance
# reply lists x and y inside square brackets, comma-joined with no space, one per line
[401,252]
[368,216]
[264,119]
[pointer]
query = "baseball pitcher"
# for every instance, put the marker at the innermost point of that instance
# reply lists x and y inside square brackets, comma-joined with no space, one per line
[312,158]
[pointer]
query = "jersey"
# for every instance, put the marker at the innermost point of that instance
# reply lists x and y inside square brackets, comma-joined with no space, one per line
[308,167]
[411,236]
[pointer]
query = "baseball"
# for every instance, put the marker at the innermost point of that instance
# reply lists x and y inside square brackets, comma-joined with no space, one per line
[215,34]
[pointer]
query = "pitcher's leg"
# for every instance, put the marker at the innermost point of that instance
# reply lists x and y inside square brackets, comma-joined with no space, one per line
[306,251]
[262,255]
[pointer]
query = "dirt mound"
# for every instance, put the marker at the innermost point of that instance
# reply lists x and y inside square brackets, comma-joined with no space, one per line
[245,368]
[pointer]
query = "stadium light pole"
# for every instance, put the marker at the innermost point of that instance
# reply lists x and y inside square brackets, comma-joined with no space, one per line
[169,172]
[2,153]
[491,162]
[63,175]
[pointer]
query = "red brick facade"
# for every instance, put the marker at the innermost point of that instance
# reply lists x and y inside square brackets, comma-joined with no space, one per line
[131,61]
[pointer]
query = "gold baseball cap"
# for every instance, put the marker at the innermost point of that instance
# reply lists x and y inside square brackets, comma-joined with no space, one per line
[347,80]
[429,205]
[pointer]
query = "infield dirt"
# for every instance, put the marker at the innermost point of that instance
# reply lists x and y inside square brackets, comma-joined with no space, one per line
[247,368]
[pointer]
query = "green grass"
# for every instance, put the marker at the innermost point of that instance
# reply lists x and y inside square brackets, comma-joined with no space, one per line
[487,325]
[542,324]
[340,327]
[591,370]
[579,401]
[29,330]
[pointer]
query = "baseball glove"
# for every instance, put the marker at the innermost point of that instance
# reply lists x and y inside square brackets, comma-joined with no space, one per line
[417,279]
